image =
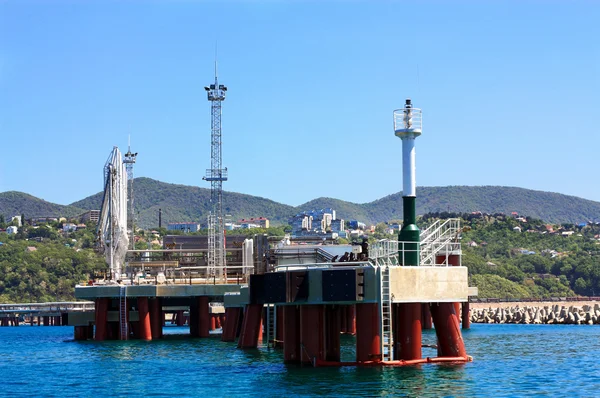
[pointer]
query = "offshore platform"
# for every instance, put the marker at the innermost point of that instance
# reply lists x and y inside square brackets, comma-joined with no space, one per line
[298,298]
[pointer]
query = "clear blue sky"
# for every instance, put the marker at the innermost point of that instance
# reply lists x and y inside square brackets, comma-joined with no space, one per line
[510,92]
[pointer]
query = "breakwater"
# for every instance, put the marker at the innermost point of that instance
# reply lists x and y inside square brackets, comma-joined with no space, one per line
[584,313]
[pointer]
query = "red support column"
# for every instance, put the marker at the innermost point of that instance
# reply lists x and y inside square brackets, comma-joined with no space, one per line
[193,318]
[351,319]
[368,340]
[217,321]
[101,315]
[333,326]
[343,316]
[180,319]
[222,320]
[145,328]
[213,322]
[232,320]
[203,317]
[426,322]
[447,329]
[407,325]
[156,317]
[251,326]
[312,344]
[291,334]
[81,333]
[466,316]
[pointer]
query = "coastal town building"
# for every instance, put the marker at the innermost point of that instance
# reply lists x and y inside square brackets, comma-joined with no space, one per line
[184,227]
[92,215]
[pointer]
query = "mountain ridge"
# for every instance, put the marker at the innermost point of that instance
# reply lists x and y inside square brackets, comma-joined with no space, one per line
[190,203]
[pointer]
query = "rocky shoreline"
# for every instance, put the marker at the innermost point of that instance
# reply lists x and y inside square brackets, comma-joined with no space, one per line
[579,313]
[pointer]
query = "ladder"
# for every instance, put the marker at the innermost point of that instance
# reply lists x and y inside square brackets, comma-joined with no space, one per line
[385,311]
[123,313]
[271,325]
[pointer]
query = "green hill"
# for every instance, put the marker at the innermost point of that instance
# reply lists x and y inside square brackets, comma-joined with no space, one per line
[188,203]
[14,203]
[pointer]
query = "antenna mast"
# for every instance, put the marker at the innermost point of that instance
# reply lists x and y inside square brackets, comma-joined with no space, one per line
[216,175]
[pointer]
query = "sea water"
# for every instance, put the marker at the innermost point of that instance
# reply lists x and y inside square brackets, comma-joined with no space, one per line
[509,360]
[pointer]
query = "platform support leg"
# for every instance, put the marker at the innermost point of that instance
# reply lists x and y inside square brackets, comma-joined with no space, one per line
[291,334]
[145,328]
[101,314]
[251,326]
[333,326]
[156,317]
[466,316]
[368,340]
[407,336]
[426,322]
[232,319]
[447,329]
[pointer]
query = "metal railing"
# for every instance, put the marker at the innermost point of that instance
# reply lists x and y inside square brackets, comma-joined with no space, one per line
[337,265]
[439,238]
[389,253]
[52,307]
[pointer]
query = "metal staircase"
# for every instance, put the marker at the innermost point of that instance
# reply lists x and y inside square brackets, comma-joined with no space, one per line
[123,332]
[271,326]
[438,237]
[385,309]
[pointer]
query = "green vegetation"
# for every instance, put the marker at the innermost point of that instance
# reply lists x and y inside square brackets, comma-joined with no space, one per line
[538,262]
[48,270]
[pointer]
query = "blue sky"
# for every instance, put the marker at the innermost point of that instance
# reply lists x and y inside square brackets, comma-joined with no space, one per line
[509,92]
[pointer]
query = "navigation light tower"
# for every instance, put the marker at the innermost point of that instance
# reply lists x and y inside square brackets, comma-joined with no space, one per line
[408,126]
[129,161]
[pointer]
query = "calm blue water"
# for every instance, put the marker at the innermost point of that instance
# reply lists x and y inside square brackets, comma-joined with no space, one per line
[510,360]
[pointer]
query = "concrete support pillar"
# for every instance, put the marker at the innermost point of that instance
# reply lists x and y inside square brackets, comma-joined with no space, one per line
[407,331]
[447,329]
[46,321]
[101,315]
[232,319]
[156,317]
[466,316]
[251,326]
[368,340]
[333,326]
[426,322]
[291,334]
[145,328]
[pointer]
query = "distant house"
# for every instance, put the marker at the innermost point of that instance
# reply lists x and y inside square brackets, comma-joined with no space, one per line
[69,227]
[517,229]
[567,233]
[472,244]
[262,222]
[12,230]
[31,249]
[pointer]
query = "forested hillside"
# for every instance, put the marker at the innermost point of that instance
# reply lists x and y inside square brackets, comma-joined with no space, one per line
[540,260]
[188,203]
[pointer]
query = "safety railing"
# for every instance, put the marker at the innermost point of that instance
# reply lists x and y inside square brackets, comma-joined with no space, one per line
[339,265]
[70,306]
[392,253]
